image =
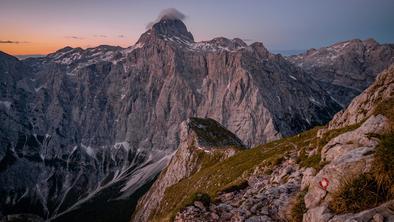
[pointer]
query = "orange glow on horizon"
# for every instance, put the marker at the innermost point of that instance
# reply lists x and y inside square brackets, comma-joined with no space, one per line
[26,42]
[43,48]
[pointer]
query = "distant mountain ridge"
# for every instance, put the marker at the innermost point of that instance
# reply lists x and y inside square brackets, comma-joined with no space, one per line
[22,57]
[346,68]
[288,52]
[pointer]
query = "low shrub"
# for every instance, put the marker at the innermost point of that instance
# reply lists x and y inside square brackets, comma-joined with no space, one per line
[383,165]
[236,187]
[369,190]
[202,197]
[357,194]
[299,208]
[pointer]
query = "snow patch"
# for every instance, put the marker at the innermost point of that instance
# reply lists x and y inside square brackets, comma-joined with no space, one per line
[153,165]
[314,101]
[337,101]
[209,47]
[292,77]
[67,59]
[7,104]
[125,145]
[89,150]
[38,89]
[73,150]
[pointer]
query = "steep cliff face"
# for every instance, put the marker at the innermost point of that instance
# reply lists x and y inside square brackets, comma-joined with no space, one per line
[364,105]
[84,126]
[345,69]
[201,140]
[340,172]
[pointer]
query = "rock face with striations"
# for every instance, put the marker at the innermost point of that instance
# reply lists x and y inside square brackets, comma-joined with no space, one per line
[363,105]
[80,127]
[345,69]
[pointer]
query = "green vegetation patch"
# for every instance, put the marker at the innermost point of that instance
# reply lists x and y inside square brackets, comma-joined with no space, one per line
[211,133]
[360,193]
[219,176]
[386,108]
[383,165]
[237,186]
[214,157]
[368,190]
[299,208]
[331,134]
[314,161]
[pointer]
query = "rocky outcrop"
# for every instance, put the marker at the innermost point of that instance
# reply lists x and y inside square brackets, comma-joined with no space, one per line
[198,137]
[345,69]
[266,198]
[381,213]
[351,154]
[80,127]
[364,105]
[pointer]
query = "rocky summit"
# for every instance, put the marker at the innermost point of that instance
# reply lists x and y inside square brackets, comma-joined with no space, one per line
[84,132]
[347,68]
[202,141]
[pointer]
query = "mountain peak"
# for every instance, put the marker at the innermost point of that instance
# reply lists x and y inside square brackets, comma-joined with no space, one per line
[168,24]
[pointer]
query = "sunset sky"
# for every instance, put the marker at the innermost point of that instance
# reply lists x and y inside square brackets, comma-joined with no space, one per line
[43,26]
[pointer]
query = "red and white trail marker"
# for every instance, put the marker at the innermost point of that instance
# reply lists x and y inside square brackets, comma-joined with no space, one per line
[324,183]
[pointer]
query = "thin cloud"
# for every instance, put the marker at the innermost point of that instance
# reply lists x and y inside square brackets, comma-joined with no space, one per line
[12,42]
[169,13]
[72,37]
[100,36]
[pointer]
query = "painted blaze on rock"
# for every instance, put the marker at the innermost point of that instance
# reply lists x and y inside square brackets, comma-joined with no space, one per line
[324,183]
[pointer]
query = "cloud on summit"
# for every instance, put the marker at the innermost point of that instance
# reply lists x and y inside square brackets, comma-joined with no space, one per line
[169,13]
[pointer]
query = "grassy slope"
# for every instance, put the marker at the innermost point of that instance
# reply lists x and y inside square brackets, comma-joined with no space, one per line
[376,187]
[217,176]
